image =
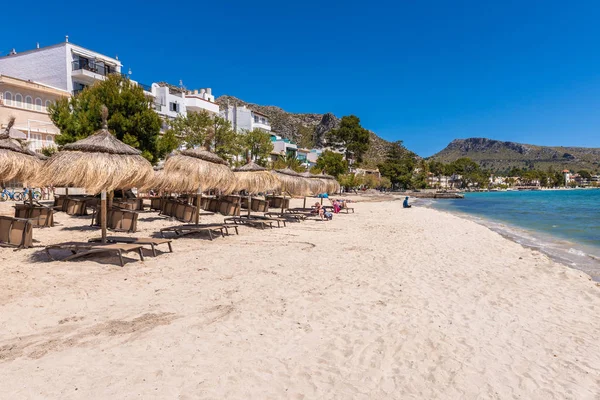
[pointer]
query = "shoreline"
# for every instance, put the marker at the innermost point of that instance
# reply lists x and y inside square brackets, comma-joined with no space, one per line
[572,255]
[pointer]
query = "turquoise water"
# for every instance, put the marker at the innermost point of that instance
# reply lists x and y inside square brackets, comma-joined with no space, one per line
[563,223]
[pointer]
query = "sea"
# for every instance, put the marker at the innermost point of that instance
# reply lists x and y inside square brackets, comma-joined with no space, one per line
[564,224]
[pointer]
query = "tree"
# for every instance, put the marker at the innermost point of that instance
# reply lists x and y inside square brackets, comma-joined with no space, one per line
[49,151]
[385,183]
[332,163]
[398,165]
[191,129]
[585,174]
[471,174]
[288,161]
[351,138]
[350,181]
[258,145]
[131,118]
[224,140]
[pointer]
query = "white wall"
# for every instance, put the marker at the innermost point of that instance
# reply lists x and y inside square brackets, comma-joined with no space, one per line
[240,117]
[164,97]
[47,66]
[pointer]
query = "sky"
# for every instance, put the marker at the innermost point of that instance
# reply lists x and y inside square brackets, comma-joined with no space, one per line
[424,72]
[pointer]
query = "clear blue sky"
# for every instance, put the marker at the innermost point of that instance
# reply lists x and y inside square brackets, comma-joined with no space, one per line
[422,72]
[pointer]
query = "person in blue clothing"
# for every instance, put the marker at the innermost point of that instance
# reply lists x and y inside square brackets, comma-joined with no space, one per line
[405,203]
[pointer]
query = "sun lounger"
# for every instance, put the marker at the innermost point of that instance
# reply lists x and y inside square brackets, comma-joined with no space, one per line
[297,217]
[82,249]
[40,216]
[255,221]
[152,242]
[346,209]
[16,232]
[190,229]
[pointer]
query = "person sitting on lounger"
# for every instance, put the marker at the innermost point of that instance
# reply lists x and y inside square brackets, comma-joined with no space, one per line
[405,203]
[317,208]
[336,206]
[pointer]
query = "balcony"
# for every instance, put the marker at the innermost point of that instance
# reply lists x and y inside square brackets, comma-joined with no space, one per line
[147,88]
[198,104]
[90,71]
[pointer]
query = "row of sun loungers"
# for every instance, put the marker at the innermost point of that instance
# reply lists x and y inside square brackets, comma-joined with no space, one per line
[18,231]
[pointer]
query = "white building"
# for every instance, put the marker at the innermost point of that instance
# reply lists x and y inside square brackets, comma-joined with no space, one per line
[244,119]
[64,66]
[28,103]
[283,147]
[171,101]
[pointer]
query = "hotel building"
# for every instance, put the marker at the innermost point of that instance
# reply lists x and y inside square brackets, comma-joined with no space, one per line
[28,102]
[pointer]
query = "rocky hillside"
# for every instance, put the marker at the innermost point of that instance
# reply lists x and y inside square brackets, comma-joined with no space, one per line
[501,156]
[308,130]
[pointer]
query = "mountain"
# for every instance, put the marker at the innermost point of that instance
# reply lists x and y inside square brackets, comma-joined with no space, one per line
[501,156]
[308,130]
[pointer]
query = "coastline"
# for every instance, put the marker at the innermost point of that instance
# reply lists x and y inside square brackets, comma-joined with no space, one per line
[384,303]
[572,255]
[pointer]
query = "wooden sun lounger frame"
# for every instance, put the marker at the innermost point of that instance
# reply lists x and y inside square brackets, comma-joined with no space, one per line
[190,229]
[81,249]
[152,242]
[297,217]
[341,210]
[256,221]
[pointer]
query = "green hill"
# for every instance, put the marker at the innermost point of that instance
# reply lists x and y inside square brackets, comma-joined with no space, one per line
[501,156]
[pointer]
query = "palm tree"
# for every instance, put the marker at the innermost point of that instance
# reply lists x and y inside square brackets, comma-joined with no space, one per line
[291,161]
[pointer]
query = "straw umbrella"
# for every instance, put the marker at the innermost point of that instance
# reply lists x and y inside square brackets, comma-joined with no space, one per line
[98,163]
[196,170]
[253,178]
[316,185]
[292,183]
[16,160]
[332,185]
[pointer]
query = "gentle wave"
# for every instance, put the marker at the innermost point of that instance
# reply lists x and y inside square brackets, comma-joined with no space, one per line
[564,225]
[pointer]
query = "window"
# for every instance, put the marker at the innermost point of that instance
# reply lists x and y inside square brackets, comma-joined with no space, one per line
[48,102]
[29,102]
[8,98]
[38,104]
[174,107]
[18,100]
[256,119]
[50,139]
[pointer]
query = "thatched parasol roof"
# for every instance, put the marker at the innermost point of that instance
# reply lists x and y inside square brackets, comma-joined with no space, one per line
[316,185]
[253,178]
[98,162]
[332,185]
[197,169]
[16,161]
[292,182]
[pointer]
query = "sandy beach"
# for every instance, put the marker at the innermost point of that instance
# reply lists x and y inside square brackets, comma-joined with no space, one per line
[385,303]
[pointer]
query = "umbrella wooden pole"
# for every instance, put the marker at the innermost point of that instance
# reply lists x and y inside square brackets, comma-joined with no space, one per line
[283,202]
[198,201]
[249,204]
[304,206]
[103,214]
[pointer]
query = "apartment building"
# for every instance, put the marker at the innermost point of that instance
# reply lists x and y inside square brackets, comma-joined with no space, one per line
[28,102]
[171,101]
[244,119]
[64,66]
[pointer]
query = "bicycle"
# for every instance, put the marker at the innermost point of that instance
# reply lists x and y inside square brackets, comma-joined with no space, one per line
[37,195]
[6,194]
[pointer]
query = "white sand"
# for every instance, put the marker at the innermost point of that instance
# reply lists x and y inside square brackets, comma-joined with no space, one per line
[383,304]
